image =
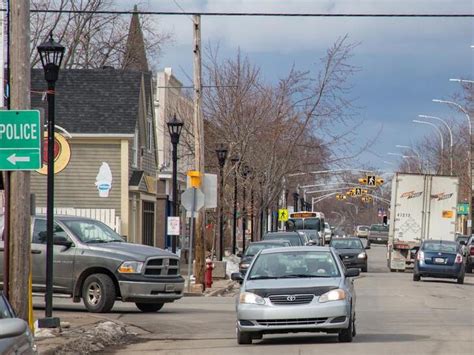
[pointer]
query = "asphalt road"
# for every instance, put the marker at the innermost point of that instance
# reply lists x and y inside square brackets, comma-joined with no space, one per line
[395,316]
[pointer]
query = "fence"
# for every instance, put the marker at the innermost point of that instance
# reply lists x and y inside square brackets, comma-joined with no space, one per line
[106,216]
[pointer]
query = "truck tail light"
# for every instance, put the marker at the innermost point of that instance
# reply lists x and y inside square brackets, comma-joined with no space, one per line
[471,250]
[458,259]
[420,255]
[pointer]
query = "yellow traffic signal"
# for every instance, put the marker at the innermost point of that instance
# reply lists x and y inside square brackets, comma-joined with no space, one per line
[363,181]
[379,181]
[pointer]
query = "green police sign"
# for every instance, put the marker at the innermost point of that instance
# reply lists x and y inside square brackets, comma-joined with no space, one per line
[21,136]
[463,209]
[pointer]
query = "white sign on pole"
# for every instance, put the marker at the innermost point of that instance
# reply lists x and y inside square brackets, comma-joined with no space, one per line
[209,189]
[173,226]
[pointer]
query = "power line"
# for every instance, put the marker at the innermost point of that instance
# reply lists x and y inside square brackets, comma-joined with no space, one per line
[249,14]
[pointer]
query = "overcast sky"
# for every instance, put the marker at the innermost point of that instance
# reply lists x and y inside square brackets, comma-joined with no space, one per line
[404,62]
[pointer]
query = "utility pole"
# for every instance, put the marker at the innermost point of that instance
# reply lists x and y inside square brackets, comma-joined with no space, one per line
[198,145]
[19,213]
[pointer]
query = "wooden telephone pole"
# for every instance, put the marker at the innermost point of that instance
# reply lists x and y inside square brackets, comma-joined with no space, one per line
[198,146]
[19,207]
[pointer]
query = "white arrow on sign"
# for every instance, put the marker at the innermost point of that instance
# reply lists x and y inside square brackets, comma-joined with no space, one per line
[13,159]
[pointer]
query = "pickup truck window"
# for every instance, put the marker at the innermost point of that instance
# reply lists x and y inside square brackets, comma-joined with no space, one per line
[40,231]
[91,231]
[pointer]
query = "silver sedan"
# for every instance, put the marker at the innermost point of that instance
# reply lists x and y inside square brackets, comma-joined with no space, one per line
[296,289]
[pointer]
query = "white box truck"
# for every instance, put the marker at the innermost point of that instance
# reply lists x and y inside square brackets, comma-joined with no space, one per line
[422,207]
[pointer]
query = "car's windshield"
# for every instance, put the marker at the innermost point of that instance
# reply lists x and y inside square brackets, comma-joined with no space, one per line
[378,228]
[294,264]
[294,239]
[90,231]
[253,249]
[5,309]
[462,239]
[346,244]
[305,223]
[440,247]
[363,229]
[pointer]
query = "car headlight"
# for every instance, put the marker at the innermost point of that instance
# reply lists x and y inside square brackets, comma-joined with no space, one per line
[244,265]
[362,255]
[333,295]
[250,298]
[131,267]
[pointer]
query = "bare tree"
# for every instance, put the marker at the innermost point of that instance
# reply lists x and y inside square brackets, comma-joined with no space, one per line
[92,40]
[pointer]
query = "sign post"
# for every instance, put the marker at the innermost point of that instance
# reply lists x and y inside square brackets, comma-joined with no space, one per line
[21,136]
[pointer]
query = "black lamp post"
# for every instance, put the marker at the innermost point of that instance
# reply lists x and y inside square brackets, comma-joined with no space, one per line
[235,160]
[295,201]
[221,152]
[245,174]
[51,55]
[174,128]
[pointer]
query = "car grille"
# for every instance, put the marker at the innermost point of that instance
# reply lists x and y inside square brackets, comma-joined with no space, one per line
[286,322]
[162,267]
[291,299]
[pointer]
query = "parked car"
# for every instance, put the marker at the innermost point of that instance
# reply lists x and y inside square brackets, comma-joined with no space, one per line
[313,235]
[351,251]
[440,259]
[255,247]
[328,233]
[99,267]
[362,231]
[296,239]
[15,335]
[378,233]
[296,289]
[470,254]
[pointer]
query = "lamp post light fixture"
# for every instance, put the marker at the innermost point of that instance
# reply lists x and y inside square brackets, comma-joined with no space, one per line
[51,54]
[462,81]
[440,136]
[235,161]
[469,152]
[174,128]
[450,138]
[221,152]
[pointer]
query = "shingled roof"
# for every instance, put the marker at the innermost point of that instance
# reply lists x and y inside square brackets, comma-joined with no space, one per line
[94,100]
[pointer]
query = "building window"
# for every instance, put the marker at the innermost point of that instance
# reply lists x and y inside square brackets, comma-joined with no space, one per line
[135,149]
[149,140]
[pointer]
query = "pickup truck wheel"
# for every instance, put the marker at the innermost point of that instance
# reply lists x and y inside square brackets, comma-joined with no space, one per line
[98,293]
[149,307]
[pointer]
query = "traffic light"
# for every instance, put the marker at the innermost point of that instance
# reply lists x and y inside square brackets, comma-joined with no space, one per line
[379,181]
[363,181]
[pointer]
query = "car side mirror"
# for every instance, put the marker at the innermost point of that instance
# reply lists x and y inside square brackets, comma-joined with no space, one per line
[462,242]
[367,246]
[13,327]
[61,240]
[239,254]
[352,272]
[237,276]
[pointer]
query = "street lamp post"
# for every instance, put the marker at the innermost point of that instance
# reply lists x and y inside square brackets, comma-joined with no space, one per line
[174,128]
[51,55]
[414,151]
[469,152]
[440,136]
[221,152]
[404,157]
[235,160]
[245,174]
[450,139]
[295,201]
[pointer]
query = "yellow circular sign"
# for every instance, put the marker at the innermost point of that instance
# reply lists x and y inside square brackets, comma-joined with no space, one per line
[62,154]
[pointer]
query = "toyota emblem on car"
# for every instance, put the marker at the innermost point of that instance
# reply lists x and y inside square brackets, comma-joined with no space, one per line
[291,298]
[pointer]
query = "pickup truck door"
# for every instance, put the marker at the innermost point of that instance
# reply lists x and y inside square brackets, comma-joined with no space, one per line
[63,260]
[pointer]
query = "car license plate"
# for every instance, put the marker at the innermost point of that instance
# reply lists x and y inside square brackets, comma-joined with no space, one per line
[379,238]
[169,288]
[439,260]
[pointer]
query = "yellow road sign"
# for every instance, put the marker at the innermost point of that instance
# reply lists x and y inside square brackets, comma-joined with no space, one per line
[282,215]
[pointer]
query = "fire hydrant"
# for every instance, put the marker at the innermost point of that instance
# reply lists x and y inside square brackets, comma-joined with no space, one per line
[208,273]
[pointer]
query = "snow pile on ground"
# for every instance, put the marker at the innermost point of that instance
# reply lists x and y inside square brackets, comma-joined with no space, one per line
[232,264]
[95,339]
